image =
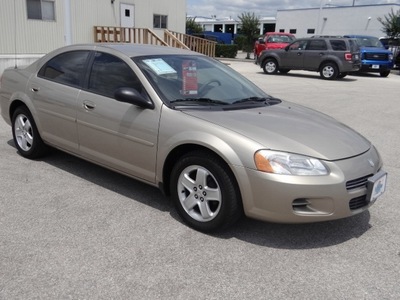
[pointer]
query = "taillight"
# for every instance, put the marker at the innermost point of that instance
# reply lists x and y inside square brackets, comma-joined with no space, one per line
[348,56]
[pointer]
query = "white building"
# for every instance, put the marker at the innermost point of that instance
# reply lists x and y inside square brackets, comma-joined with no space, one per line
[31,28]
[229,25]
[330,20]
[324,20]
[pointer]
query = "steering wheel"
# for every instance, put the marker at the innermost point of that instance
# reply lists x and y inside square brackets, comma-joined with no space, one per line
[209,85]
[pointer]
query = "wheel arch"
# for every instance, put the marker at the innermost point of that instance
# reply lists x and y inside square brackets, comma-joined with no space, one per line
[264,60]
[329,61]
[183,149]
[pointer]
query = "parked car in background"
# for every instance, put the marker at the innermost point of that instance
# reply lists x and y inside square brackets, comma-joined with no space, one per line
[374,56]
[331,57]
[190,125]
[393,44]
[272,40]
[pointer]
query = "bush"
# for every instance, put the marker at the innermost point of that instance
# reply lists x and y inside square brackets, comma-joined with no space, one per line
[228,51]
[240,41]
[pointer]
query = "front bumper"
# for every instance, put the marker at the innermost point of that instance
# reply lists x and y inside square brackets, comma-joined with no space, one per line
[305,199]
[378,66]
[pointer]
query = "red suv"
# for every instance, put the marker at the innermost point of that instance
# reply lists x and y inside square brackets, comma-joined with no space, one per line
[272,40]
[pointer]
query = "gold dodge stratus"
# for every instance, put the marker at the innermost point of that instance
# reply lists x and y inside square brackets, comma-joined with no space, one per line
[218,145]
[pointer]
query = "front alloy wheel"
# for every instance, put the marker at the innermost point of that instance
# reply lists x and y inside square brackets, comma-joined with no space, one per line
[270,66]
[204,191]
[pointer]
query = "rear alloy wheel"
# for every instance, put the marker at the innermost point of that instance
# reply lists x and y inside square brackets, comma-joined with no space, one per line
[329,71]
[385,73]
[270,66]
[25,134]
[204,192]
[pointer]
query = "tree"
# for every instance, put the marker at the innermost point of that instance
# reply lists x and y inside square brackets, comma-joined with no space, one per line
[391,23]
[192,26]
[250,29]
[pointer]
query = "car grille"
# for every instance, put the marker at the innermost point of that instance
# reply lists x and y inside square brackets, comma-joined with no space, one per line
[358,202]
[376,56]
[357,183]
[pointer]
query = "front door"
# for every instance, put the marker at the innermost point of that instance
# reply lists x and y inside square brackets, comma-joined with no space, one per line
[127,20]
[127,15]
[293,58]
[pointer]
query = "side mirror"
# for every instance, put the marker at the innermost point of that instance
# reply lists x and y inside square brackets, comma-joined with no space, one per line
[132,96]
[261,40]
[287,48]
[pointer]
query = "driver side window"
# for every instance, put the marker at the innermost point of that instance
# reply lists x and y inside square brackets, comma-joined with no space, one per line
[298,45]
[110,73]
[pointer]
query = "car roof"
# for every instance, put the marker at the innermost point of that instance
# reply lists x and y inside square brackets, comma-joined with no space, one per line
[130,50]
[358,35]
[282,33]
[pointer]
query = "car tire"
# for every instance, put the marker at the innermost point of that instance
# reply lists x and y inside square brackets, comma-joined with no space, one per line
[384,73]
[284,71]
[270,66]
[329,71]
[25,134]
[205,192]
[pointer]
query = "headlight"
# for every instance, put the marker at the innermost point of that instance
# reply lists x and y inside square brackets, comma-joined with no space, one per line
[288,163]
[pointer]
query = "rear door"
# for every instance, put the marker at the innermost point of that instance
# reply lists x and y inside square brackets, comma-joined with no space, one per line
[55,92]
[315,53]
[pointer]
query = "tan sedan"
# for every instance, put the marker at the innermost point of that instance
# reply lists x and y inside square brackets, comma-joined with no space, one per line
[209,138]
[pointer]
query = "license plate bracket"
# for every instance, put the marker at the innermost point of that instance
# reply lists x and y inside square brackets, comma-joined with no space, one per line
[376,186]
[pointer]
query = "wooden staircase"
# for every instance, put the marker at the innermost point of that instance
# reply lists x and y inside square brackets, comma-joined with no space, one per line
[112,34]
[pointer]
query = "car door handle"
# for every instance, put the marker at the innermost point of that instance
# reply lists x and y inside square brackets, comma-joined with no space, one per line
[299,53]
[88,105]
[35,89]
[321,54]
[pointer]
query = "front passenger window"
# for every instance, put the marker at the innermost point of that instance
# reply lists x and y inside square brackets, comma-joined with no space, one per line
[110,73]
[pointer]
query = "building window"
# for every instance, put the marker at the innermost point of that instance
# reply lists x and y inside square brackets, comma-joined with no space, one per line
[40,9]
[160,21]
[310,31]
[281,30]
[293,31]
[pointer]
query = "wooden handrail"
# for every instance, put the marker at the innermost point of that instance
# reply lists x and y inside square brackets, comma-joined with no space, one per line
[195,43]
[113,34]
[173,41]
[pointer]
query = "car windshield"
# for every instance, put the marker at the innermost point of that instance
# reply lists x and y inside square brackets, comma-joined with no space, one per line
[369,41]
[183,80]
[280,38]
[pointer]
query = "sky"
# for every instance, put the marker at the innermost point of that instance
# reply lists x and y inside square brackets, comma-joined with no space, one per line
[263,8]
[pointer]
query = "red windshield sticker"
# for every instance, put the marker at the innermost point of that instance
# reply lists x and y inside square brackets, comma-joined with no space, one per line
[189,76]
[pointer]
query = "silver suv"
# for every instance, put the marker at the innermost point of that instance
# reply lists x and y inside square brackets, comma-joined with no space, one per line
[331,57]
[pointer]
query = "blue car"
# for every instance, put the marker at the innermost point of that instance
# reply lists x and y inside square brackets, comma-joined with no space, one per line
[374,56]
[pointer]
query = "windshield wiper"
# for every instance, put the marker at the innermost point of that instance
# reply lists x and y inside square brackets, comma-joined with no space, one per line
[250,100]
[200,100]
[267,100]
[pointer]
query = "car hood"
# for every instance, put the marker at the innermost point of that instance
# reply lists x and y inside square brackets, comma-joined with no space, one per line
[375,49]
[291,128]
[277,45]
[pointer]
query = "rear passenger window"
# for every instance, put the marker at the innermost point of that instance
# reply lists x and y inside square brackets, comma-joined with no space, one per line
[317,45]
[338,45]
[67,68]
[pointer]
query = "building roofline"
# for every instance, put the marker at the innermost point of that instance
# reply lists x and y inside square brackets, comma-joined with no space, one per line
[344,6]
